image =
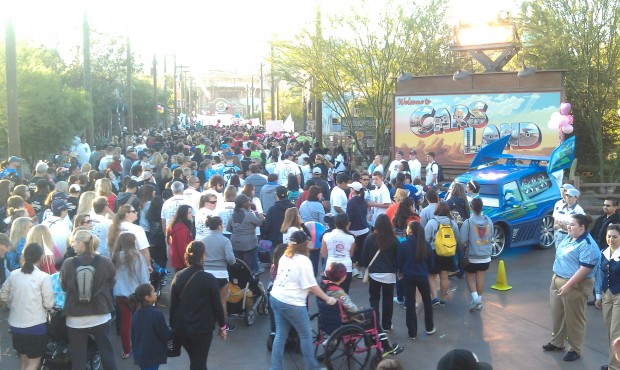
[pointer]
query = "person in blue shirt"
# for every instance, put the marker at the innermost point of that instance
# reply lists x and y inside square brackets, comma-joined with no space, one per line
[573,278]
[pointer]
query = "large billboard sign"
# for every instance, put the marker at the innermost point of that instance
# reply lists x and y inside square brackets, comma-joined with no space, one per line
[455,127]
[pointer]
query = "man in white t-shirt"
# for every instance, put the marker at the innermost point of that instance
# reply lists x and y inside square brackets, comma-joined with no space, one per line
[61,233]
[392,170]
[286,167]
[191,193]
[101,224]
[380,198]
[432,170]
[376,165]
[338,197]
[414,165]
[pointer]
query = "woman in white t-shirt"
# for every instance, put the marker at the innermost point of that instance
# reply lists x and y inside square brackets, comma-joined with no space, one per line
[292,222]
[227,208]
[294,281]
[206,208]
[339,246]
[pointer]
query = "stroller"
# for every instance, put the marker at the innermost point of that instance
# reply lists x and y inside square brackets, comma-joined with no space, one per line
[57,356]
[246,295]
[158,278]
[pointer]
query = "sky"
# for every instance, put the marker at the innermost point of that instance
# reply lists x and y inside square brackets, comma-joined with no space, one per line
[207,35]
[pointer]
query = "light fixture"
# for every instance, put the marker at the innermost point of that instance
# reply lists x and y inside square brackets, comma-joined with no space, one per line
[461,74]
[404,77]
[526,71]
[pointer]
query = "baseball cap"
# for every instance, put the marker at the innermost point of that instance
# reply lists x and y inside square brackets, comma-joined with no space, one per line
[288,153]
[59,195]
[317,170]
[413,152]
[229,154]
[14,159]
[573,192]
[73,154]
[224,146]
[355,185]
[131,184]
[462,359]
[299,237]
[59,205]
[400,152]
[567,186]
[75,188]
[281,191]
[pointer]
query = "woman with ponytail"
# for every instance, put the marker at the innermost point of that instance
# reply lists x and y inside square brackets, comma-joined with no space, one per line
[149,332]
[131,271]
[28,293]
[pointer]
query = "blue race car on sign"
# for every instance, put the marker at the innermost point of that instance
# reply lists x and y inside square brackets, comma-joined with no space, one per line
[520,193]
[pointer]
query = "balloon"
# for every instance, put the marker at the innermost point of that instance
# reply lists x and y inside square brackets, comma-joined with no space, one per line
[564,121]
[570,119]
[316,230]
[554,121]
[565,108]
[567,129]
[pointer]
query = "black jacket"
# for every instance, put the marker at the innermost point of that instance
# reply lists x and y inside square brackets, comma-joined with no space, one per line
[357,209]
[195,311]
[273,221]
[599,230]
[386,260]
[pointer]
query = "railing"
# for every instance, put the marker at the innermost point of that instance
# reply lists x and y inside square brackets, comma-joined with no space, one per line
[594,193]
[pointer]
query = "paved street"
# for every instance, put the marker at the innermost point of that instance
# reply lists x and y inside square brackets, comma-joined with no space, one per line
[508,332]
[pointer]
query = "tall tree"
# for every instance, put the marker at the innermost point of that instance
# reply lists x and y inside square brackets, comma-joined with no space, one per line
[582,37]
[356,63]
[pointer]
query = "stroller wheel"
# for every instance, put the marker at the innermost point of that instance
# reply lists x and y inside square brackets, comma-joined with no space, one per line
[250,316]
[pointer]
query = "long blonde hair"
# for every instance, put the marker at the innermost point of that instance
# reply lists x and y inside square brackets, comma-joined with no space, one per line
[19,230]
[291,218]
[400,195]
[85,205]
[103,187]
[41,235]
[156,160]
[126,243]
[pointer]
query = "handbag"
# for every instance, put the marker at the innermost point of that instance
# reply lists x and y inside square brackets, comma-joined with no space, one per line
[174,343]
[367,272]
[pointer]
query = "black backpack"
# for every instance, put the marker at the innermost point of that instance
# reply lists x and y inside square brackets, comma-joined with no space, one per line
[440,177]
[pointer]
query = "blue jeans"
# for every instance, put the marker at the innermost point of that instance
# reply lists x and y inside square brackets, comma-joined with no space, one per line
[287,315]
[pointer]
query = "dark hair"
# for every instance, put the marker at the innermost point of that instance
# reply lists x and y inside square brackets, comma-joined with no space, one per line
[273,177]
[432,196]
[313,193]
[278,252]
[194,252]
[421,250]
[614,201]
[234,180]
[293,184]
[383,233]
[476,206]
[343,177]
[341,221]
[474,185]
[431,154]
[614,227]
[32,254]
[442,209]
[147,194]
[137,299]
[180,216]
[213,222]
[403,213]
[583,220]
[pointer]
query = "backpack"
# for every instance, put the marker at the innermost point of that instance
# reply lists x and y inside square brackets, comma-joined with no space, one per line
[440,176]
[456,216]
[85,278]
[445,241]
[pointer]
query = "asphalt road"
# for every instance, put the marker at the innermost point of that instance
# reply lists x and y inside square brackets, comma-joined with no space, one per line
[508,332]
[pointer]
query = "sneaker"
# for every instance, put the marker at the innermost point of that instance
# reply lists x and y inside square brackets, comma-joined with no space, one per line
[355,272]
[442,303]
[387,330]
[230,327]
[430,332]
[360,275]
[412,338]
[479,305]
[398,301]
[124,355]
[435,302]
[396,349]
[416,305]
[473,304]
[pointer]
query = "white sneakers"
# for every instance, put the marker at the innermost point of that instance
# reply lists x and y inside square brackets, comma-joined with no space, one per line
[476,304]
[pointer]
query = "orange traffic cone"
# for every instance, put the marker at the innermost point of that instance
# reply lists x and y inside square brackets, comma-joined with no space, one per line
[501,283]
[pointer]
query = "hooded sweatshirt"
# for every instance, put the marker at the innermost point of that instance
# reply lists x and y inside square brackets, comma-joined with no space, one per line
[433,224]
[477,233]
[268,195]
[274,219]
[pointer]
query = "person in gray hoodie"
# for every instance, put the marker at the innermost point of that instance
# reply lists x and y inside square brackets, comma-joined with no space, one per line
[268,192]
[242,224]
[218,256]
[476,240]
[256,178]
[443,264]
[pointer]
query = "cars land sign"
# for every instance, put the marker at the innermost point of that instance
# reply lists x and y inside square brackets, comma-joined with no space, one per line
[456,127]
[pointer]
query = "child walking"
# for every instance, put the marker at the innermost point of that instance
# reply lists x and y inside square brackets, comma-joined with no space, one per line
[149,332]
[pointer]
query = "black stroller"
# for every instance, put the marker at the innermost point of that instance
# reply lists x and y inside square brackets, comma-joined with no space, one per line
[57,356]
[158,278]
[246,295]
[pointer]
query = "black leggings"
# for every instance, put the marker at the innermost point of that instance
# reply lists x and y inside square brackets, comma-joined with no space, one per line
[197,347]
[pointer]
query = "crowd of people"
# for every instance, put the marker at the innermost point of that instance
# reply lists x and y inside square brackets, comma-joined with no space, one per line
[195,200]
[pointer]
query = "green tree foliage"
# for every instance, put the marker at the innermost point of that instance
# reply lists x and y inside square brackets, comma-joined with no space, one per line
[582,37]
[50,112]
[356,64]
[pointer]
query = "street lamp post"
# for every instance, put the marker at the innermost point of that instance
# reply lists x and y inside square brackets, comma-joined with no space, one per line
[11,95]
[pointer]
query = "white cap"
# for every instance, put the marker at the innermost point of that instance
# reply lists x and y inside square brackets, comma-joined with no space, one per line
[355,185]
[567,186]
[75,188]
[573,192]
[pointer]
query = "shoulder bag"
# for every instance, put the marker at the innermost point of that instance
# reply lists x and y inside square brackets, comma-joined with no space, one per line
[174,343]
[367,272]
